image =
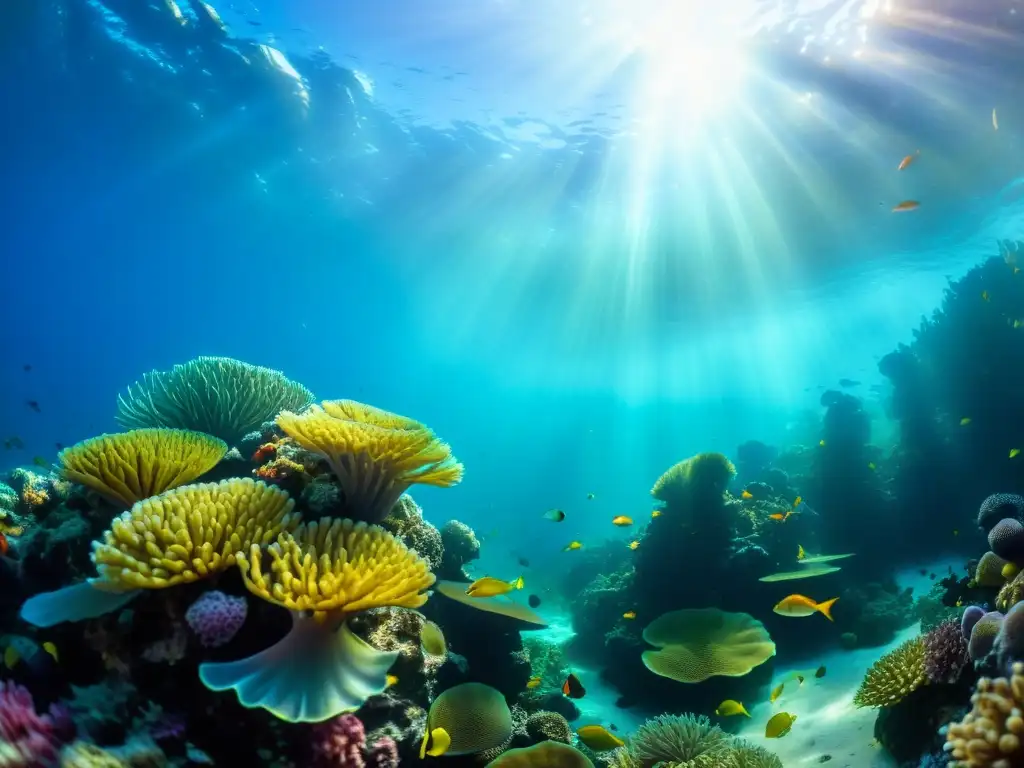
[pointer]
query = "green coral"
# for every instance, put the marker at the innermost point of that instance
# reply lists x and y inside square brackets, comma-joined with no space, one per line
[689,741]
[221,396]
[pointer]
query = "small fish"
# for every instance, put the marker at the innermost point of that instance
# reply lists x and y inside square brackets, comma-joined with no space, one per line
[432,639]
[906,205]
[533,682]
[613,726]
[573,688]
[965,421]
[572,546]
[821,442]
[598,738]
[776,692]
[746,495]
[731,707]
[391,680]
[11,657]
[932,575]
[34,405]
[629,615]
[554,515]
[779,725]
[1014,453]
[799,500]
[490,587]
[956,532]
[39,461]
[799,679]
[923,572]
[848,383]
[533,601]
[906,161]
[820,672]
[871,466]
[799,606]
[51,649]
[984,295]
[655,513]
[622,520]
[435,743]
[800,553]
[780,517]
[523,562]
[634,545]
[995,119]
[591,496]
[26,367]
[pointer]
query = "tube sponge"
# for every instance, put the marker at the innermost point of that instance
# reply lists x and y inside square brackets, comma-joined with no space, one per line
[130,466]
[1006,539]
[894,676]
[991,733]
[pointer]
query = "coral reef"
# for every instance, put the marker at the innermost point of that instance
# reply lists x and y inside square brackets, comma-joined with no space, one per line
[406,521]
[991,733]
[894,676]
[945,652]
[687,741]
[544,726]
[215,618]
[460,546]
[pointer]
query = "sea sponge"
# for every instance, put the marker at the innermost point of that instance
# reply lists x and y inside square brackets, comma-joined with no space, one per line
[374,464]
[544,725]
[989,572]
[684,741]
[972,615]
[983,635]
[215,618]
[546,754]
[705,472]
[217,395]
[998,506]
[991,733]
[894,676]
[323,573]
[1006,539]
[476,717]
[130,466]
[945,652]
[695,644]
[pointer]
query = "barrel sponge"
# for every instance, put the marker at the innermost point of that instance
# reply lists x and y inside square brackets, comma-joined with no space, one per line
[972,615]
[695,644]
[680,740]
[130,466]
[992,732]
[217,395]
[544,725]
[190,532]
[983,636]
[476,717]
[998,506]
[1006,539]
[894,676]
[376,459]
[705,472]
[546,754]
[989,572]
[336,567]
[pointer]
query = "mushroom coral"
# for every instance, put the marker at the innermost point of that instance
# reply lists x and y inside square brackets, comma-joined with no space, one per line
[323,573]
[376,455]
[178,537]
[217,395]
[896,675]
[129,466]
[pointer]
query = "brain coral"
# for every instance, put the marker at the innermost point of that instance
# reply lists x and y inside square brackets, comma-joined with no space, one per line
[476,717]
[703,473]
[217,395]
[543,725]
[1006,539]
[695,644]
[999,505]
[894,676]
[990,734]
[983,635]
[989,572]
[972,615]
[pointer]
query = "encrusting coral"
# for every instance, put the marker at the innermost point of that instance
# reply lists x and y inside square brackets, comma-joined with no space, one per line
[221,396]
[323,573]
[991,733]
[894,676]
[375,455]
[130,466]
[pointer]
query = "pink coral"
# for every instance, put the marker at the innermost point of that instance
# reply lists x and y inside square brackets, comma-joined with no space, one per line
[383,754]
[216,617]
[29,739]
[340,742]
[945,652]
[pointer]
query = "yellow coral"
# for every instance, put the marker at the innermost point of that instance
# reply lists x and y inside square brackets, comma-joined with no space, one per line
[130,466]
[701,473]
[375,459]
[34,497]
[989,572]
[190,532]
[338,567]
[1011,593]
[994,728]
[894,676]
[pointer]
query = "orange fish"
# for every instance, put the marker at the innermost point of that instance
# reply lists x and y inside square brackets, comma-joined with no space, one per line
[798,606]
[747,495]
[906,205]
[4,545]
[781,517]
[906,161]
[622,520]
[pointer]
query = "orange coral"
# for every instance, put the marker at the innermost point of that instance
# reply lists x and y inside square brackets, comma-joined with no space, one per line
[264,452]
[279,469]
[34,497]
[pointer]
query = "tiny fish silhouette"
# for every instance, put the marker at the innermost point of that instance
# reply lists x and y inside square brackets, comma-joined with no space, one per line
[34,405]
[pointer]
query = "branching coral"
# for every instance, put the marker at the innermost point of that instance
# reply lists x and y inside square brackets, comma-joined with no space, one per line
[991,733]
[217,395]
[131,466]
[945,652]
[375,455]
[894,676]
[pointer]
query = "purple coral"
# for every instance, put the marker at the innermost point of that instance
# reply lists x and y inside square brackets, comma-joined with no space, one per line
[972,615]
[32,739]
[1006,539]
[383,753]
[998,506]
[945,652]
[216,617]
[340,742]
[983,636]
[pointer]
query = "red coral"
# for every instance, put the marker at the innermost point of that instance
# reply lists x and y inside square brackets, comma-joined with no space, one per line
[264,452]
[945,652]
[35,739]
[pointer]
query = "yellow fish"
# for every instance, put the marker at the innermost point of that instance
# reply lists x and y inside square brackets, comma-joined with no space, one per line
[1014,452]
[599,738]
[779,725]
[634,545]
[821,443]
[391,680]
[800,553]
[984,295]
[572,546]
[747,495]
[629,615]
[533,682]
[11,657]
[622,520]
[798,606]
[432,639]
[731,707]
[871,466]
[489,587]
[799,500]
[435,743]
[655,513]
[51,649]
[965,421]
[776,692]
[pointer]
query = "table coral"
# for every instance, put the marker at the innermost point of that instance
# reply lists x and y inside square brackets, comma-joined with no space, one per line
[991,733]
[893,676]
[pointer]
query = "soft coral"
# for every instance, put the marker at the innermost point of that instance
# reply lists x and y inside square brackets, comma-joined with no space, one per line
[28,739]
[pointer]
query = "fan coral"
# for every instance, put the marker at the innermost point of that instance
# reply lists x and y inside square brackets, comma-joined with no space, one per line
[375,455]
[705,472]
[541,726]
[992,731]
[323,573]
[340,742]
[894,676]
[983,635]
[945,652]
[131,466]
[683,741]
[217,395]
[997,506]
[1006,539]
[216,617]
[28,738]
